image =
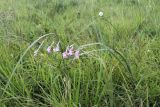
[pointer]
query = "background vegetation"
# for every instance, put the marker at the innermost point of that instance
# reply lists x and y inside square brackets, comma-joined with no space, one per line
[126,74]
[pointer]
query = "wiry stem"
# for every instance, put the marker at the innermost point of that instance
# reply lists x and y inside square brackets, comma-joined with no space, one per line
[15,68]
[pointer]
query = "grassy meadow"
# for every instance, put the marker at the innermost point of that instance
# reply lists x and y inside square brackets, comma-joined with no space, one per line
[119,62]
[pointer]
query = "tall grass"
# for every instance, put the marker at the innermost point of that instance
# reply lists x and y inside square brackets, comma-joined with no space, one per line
[119,62]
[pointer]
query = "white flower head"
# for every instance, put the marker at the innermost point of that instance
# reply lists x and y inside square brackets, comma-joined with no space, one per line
[101,13]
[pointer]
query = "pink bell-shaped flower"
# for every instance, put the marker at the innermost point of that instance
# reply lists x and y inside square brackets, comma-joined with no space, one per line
[70,51]
[49,49]
[65,55]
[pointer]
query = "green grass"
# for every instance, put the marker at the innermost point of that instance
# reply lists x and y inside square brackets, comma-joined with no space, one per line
[119,64]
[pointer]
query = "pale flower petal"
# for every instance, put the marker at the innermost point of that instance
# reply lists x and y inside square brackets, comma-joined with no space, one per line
[65,55]
[49,49]
[57,48]
[101,14]
[70,53]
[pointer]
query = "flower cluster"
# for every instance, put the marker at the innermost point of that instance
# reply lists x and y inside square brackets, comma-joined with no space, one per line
[70,52]
[56,49]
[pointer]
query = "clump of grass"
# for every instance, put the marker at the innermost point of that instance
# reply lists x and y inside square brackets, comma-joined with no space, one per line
[119,53]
